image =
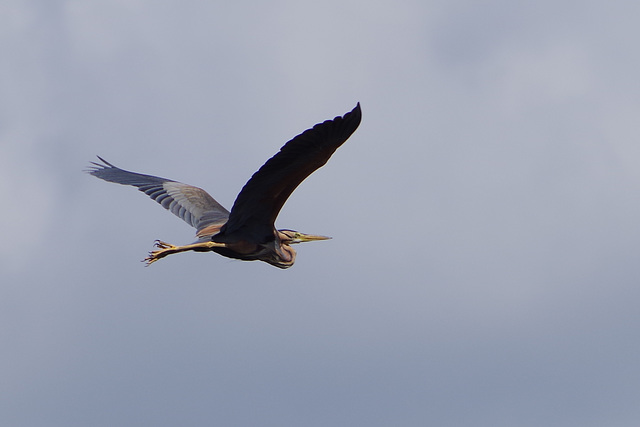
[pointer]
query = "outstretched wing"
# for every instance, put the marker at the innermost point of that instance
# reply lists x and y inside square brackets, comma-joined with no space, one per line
[258,204]
[194,205]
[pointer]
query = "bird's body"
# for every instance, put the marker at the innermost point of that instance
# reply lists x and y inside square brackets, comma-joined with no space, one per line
[247,232]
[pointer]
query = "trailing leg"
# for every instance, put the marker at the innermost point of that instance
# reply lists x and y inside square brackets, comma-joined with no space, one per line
[165,249]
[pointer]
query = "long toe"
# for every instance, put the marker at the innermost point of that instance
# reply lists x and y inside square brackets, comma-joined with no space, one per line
[162,245]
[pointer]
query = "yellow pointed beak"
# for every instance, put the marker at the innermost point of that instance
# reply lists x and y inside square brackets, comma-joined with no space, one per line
[300,237]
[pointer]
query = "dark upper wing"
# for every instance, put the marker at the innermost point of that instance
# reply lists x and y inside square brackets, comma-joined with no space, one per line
[262,197]
[194,205]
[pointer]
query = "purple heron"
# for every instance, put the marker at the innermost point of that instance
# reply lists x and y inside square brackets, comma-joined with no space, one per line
[248,231]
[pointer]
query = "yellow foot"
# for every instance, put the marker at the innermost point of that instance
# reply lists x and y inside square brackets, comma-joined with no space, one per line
[163,245]
[164,249]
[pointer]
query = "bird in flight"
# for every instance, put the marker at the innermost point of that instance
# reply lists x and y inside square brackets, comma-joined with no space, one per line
[248,231]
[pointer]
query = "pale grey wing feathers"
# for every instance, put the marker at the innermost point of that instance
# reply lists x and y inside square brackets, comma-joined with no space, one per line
[194,205]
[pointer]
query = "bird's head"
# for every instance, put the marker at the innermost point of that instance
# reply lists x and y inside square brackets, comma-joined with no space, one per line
[282,254]
[289,237]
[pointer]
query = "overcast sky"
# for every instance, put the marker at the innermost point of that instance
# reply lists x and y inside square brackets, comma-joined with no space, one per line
[484,268]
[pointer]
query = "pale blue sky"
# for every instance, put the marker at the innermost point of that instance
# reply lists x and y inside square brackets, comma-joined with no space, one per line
[484,263]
